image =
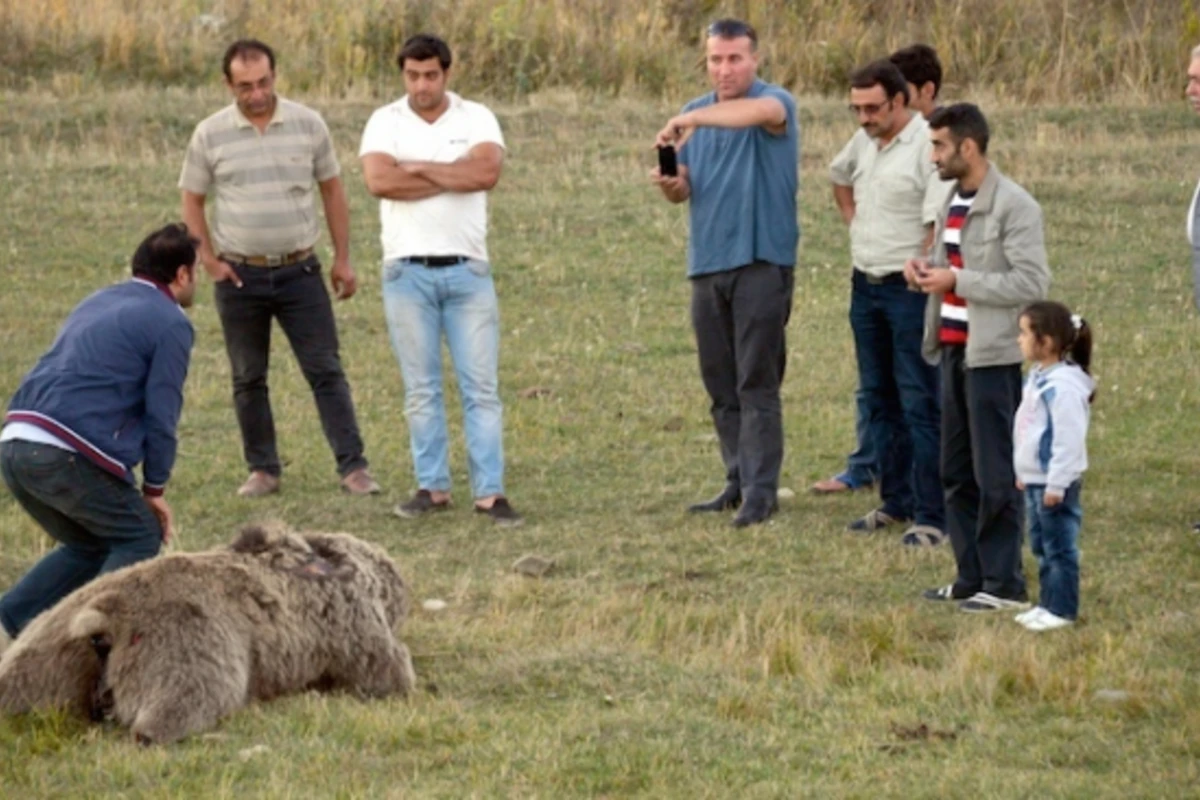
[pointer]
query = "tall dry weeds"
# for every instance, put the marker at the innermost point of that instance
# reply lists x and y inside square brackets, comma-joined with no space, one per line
[1025,50]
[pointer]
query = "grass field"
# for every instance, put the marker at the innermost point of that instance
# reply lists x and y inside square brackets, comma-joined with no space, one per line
[667,655]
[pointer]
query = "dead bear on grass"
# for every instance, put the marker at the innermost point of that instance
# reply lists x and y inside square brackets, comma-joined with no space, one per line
[169,646]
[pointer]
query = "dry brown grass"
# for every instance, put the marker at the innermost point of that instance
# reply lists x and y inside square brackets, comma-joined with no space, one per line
[1027,50]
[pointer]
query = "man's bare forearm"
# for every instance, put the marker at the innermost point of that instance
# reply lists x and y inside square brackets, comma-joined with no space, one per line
[464,175]
[843,196]
[337,217]
[744,113]
[386,179]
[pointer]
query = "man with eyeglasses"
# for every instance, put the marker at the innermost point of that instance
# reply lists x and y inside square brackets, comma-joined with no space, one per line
[922,70]
[888,192]
[738,151]
[260,157]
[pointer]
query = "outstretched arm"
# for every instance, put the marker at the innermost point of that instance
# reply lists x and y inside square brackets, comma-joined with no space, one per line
[748,112]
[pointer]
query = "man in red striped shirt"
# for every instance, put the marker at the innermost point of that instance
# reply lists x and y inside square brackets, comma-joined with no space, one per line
[989,263]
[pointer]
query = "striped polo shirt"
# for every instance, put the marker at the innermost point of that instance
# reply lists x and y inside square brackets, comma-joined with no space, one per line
[262,182]
[954,308]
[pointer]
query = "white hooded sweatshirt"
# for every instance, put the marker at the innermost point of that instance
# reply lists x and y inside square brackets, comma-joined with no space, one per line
[1050,429]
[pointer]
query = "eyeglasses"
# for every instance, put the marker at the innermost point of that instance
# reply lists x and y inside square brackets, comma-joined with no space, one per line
[870,109]
[731,29]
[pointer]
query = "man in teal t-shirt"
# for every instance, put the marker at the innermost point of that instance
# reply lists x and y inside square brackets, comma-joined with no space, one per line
[738,151]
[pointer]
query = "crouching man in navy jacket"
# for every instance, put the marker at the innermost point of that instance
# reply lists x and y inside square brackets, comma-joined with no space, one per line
[106,397]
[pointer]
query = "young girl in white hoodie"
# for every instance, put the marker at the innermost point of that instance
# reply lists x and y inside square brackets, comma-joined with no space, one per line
[1050,453]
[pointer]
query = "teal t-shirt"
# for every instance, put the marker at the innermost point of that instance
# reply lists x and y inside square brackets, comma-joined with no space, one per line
[744,183]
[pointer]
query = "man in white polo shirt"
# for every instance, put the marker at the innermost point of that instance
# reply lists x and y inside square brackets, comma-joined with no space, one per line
[431,157]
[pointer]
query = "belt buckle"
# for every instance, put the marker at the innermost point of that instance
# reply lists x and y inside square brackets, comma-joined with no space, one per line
[275,261]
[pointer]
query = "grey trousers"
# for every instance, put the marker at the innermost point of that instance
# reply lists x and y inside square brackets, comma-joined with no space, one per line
[739,318]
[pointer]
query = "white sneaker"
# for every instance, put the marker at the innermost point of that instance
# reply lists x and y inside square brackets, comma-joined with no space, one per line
[1025,616]
[1047,621]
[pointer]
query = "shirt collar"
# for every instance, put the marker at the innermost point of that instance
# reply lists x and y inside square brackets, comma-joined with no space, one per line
[915,124]
[153,284]
[406,110]
[280,115]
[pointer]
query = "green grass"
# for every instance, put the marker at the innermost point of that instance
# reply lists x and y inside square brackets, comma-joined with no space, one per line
[667,655]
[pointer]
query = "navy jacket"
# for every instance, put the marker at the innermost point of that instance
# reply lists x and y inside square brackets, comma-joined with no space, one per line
[111,385]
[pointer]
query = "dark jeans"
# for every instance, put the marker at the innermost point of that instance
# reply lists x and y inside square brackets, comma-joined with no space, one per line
[900,391]
[297,297]
[739,318]
[1054,537]
[100,522]
[983,504]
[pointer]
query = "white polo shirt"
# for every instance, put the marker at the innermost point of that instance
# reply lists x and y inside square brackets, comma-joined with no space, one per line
[447,224]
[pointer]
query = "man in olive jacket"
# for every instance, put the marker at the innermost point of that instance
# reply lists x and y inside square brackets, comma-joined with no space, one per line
[989,263]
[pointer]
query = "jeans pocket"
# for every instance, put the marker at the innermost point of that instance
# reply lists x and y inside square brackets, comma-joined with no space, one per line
[392,270]
[311,267]
[480,269]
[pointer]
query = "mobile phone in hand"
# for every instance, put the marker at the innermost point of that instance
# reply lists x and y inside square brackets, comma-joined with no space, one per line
[667,166]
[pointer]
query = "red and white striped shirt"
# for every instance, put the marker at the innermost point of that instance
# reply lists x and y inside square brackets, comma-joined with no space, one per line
[954,308]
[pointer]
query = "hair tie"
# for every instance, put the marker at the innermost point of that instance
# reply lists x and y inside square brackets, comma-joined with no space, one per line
[1076,321]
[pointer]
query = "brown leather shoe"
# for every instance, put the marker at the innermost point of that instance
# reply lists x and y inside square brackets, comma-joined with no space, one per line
[360,482]
[258,484]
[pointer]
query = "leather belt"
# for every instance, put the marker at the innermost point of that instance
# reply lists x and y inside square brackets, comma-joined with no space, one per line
[880,280]
[268,261]
[436,261]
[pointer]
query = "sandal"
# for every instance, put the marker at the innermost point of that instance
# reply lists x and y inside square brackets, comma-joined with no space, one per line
[922,536]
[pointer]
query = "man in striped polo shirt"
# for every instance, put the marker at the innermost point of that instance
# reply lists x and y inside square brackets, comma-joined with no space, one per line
[260,156]
[989,263]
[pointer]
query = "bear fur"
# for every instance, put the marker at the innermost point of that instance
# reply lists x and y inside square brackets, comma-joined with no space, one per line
[171,645]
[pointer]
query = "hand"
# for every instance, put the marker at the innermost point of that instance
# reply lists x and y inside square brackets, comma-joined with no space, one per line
[343,280]
[937,281]
[162,512]
[676,132]
[676,189]
[1020,485]
[1051,499]
[914,270]
[220,270]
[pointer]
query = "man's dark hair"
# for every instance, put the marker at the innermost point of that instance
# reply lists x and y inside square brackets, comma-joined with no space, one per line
[729,28]
[423,47]
[162,253]
[246,50]
[919,65]
[881,73]
[964,121]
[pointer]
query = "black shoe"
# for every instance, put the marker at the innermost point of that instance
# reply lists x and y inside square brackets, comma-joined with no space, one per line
[727,500]
[501,513]
[420,505]
[754,512]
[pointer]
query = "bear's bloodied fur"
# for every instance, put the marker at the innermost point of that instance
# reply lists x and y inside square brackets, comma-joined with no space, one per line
[169,646]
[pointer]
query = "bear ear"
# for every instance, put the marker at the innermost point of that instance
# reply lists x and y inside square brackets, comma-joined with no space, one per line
[96,619]
[252,539]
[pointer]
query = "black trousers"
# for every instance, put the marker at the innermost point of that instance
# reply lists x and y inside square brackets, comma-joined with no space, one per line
[984,509]
[739,318]
[297,297]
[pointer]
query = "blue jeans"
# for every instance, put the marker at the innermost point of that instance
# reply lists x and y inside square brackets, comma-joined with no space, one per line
[421,304]
[863,464]
[901,395]
[1054,537]
[100,522]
